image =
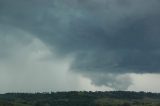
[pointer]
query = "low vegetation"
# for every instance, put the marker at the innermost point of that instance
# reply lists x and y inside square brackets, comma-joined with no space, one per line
[75,98]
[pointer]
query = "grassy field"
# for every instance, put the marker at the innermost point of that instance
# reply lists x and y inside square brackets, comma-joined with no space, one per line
[114,98]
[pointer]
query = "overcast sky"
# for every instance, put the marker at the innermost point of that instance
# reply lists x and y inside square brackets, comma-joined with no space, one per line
[63,45]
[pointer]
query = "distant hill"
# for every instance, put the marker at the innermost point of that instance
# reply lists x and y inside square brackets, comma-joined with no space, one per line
[81,98]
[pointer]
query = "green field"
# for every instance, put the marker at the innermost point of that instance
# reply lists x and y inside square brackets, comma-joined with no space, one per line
[113,98]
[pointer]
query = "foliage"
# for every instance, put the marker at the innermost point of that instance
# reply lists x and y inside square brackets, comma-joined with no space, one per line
[75,98]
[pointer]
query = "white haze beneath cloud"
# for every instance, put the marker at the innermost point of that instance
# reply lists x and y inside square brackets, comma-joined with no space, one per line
[31,67]
[28,65]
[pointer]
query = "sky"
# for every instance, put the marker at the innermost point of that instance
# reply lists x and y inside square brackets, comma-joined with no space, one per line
[92,45]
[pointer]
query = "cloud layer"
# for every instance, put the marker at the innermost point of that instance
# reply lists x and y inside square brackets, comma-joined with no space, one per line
[108,37]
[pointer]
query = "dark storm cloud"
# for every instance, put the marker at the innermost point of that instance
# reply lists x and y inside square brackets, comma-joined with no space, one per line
[105,36]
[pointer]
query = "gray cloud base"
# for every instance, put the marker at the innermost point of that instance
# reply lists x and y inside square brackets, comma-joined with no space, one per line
[105,36]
